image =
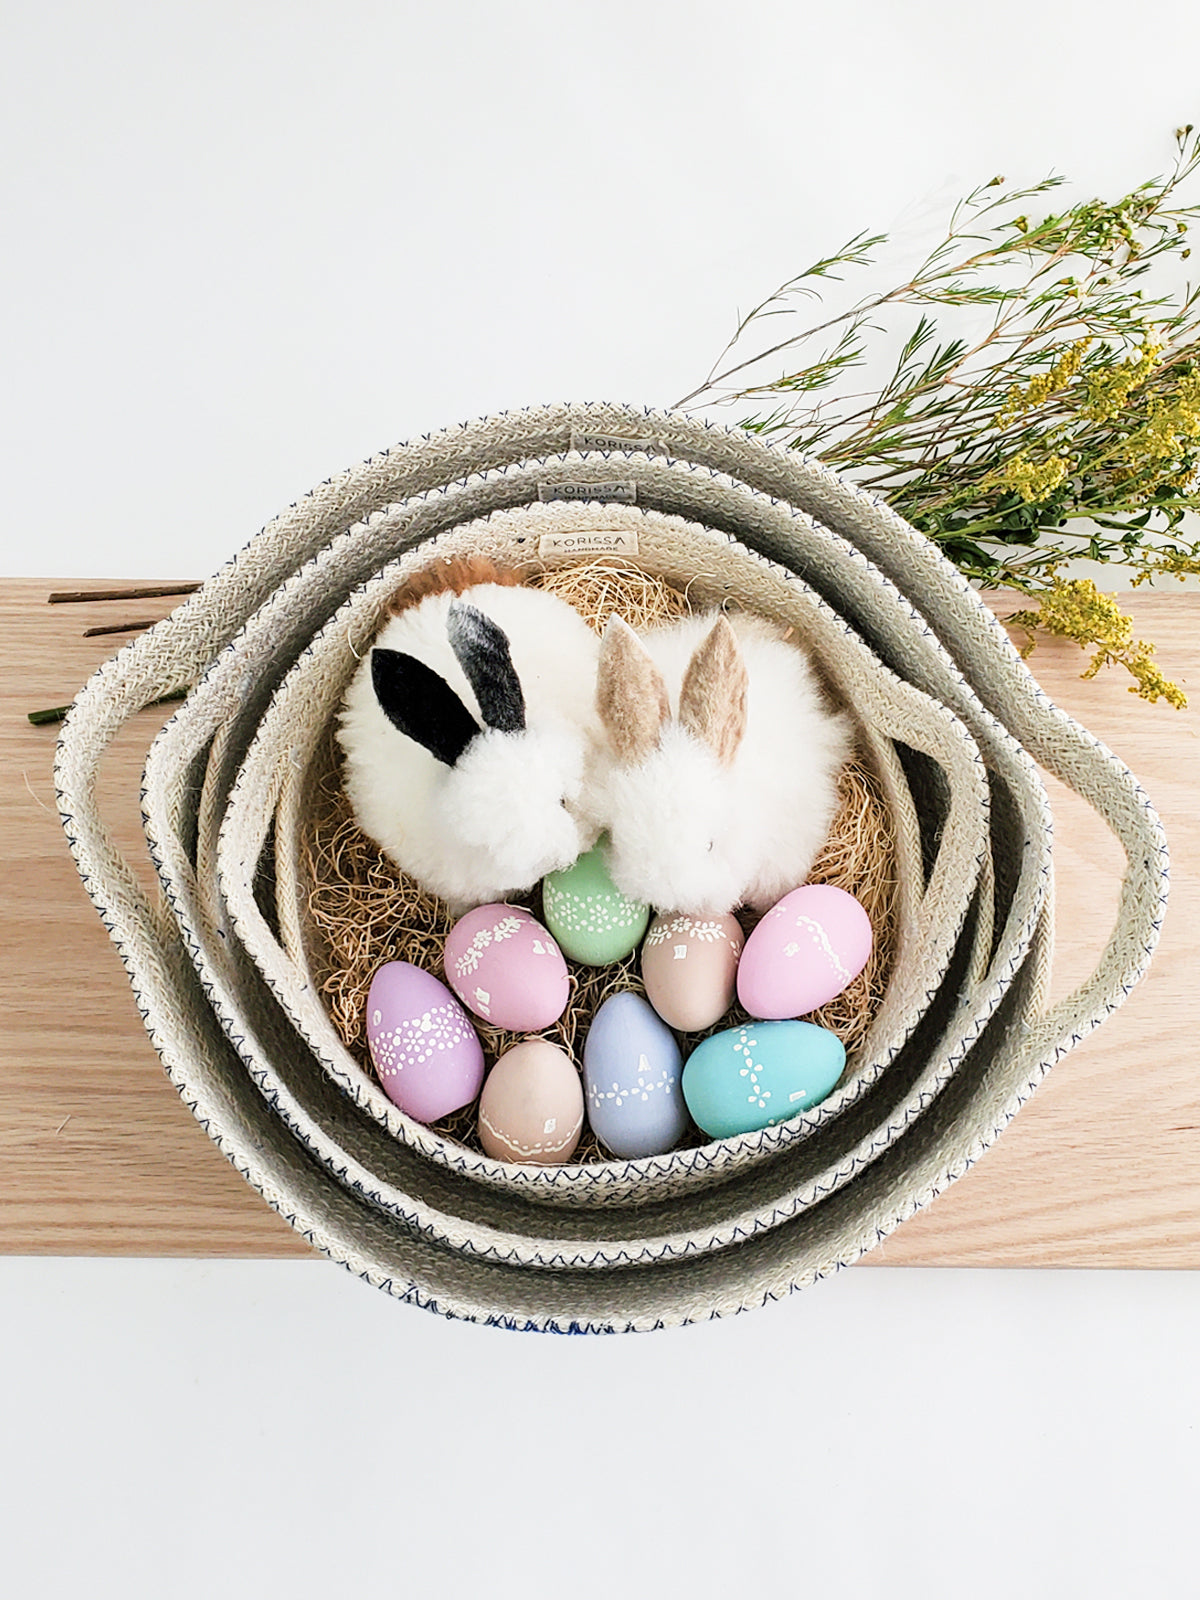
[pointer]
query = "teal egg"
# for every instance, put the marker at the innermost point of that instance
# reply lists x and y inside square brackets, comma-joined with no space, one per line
[759,1075]
[590,918]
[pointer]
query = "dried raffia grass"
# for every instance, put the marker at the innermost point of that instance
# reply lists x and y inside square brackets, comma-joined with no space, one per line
[363,910]
[606,585]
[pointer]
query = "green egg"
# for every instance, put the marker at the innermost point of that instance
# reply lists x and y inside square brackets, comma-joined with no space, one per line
[591,919]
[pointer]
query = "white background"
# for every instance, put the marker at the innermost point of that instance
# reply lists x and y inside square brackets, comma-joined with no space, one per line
[248,244]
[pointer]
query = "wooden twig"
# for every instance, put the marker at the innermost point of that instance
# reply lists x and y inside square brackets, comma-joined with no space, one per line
[59,713]
[119,627]
[140,592]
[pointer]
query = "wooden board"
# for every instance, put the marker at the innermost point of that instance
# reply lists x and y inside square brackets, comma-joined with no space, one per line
[99,1157]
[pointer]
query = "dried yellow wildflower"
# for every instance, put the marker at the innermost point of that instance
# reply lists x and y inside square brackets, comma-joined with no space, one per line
[1033,481]
[1181,564]
[1109,388]
[1062,419]
[1039,389]
[1075,609]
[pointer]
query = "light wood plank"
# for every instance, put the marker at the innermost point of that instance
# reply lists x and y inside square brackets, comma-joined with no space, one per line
[1102,1168]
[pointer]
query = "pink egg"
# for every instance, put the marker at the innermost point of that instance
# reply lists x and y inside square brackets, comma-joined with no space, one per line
[426,1052]
[507,969]
[688,966]
[806,949]
[531,1108]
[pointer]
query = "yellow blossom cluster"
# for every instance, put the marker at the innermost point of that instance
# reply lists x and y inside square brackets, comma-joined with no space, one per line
[1174,563]
[1109,388]
[1032,480]
[1039,389]
[1171,424]
[1075,609]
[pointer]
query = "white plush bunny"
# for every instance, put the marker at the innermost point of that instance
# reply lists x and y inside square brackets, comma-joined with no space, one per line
[718,782]
[466,732]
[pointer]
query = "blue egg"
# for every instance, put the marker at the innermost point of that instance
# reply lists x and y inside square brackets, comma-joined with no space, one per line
[631,1067]
[759,1075]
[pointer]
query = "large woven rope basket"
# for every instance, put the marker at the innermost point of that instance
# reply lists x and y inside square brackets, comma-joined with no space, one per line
[963,1037]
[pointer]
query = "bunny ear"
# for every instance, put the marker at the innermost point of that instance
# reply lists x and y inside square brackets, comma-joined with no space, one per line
[631,696]
[712,701]
[422,705]
[481,646]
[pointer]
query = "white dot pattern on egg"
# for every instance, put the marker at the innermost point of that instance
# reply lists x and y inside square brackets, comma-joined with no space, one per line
[689,967]
[418,1040]
[703,931]
[535,1150]
[641,1088]
[817,939]
[758,1096]
[592,913]
[631,1068]
[759,1074]
[504,928]
[507,968]
[531,1108]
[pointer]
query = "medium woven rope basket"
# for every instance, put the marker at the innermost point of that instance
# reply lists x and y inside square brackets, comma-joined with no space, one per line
[964,1036]
[935,912]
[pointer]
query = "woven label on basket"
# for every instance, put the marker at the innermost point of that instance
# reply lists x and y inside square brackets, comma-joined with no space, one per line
[620,489]
[584,439]
[618,542]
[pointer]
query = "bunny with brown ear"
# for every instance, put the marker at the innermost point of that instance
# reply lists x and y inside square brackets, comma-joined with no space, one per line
[466,732]
[717,783]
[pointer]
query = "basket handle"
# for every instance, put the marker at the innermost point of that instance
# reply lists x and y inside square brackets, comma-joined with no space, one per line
[160,662]
[1089,767]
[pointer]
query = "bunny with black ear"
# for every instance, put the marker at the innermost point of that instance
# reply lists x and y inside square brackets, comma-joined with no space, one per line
[717,782]
[466,733]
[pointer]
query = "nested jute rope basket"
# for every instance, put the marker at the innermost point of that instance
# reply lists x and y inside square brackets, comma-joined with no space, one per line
[223,964]
[700,1219]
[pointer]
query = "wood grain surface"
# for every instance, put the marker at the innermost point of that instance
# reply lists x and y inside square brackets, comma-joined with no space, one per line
[99,1156]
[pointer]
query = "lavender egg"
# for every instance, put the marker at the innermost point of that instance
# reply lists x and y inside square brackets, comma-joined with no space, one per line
[506,968]
[426,1053]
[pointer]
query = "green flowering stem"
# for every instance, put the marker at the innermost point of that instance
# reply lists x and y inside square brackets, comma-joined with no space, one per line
[1074,399]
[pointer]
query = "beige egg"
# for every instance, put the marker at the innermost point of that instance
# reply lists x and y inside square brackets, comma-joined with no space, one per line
[689,967]
[531,1108]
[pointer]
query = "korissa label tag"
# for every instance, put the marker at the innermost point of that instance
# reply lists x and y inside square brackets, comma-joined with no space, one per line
[585,439]
[622,489]
[623,542]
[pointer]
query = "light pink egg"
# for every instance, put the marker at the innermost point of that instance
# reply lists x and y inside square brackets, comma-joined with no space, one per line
[426,1053]
[806,950]
[531,1108]
[688,966]
[506,968]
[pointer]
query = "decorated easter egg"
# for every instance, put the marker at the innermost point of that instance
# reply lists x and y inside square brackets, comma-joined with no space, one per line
[531,1108]
[689,967]
[631,1066]
[506,968]
[426,1052]
[806,949]
[760,1075]
[588,915]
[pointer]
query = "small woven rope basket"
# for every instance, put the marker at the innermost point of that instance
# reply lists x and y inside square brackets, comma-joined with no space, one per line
[228,964]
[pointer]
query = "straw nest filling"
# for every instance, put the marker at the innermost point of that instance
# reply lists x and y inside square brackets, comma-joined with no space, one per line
[362,910]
